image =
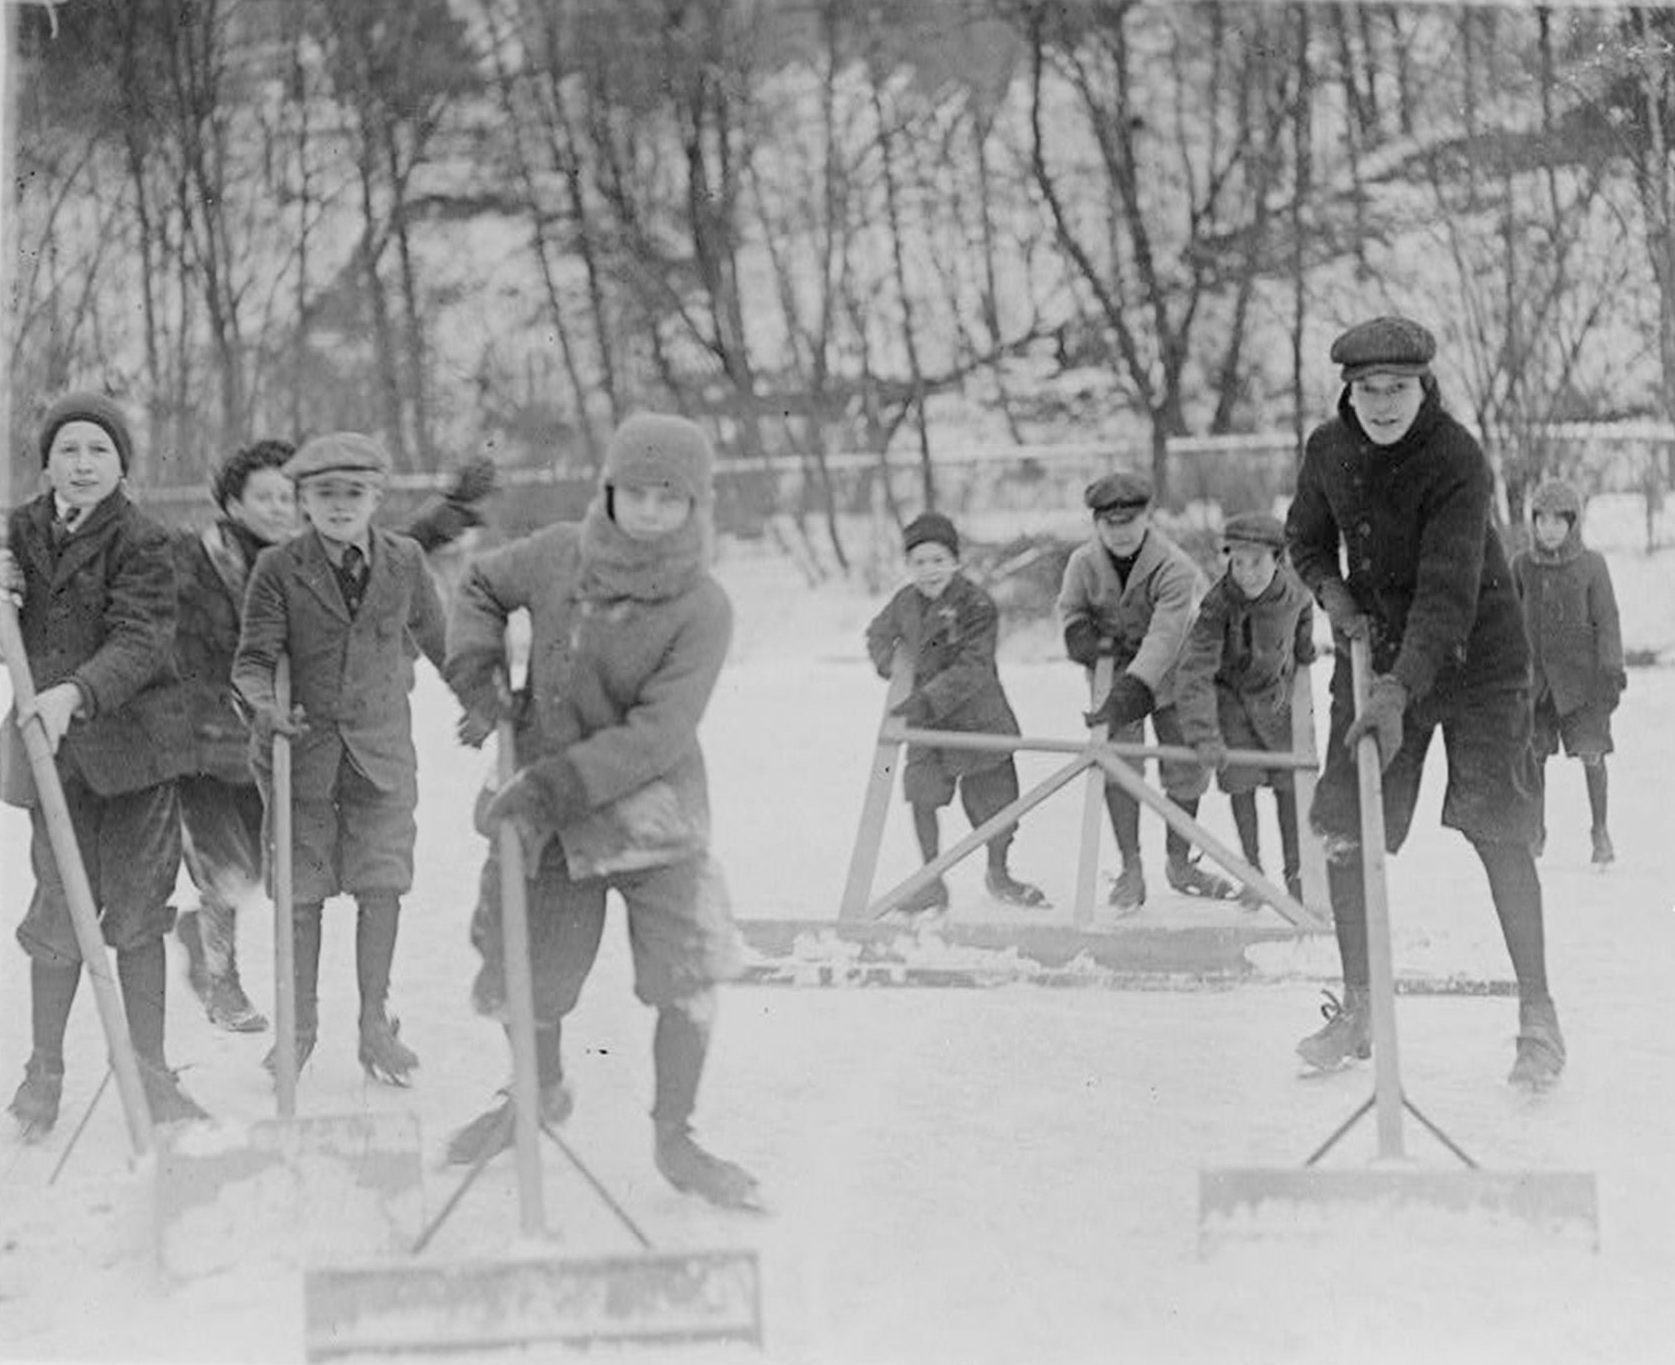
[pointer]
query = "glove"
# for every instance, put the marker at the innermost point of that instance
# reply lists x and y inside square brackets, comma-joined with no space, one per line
[1128,700]
[1381,718]
[545,795]
[269,722]
[1084,644]
[1344,611]
[486,706]
[1611,687]
[1212,753]
[915,711]
[473,481]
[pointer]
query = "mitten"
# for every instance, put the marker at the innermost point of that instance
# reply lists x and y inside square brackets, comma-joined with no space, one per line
[1344,611]
[1212,753]
[1083,643]
[1611,687]
[1381,718]
[915,710]
[548,794]
[473,481]
[487,703]
[1129,700]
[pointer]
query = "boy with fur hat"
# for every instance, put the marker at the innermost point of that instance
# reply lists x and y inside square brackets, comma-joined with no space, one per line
[1233,682]
[346,603]
[949,628]
[1576,638]
[94,583]
[1392,529]
[628,636]
[1131,593]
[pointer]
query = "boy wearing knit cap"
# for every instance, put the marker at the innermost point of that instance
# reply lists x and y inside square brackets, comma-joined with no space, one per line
[1392,528]
[628,634]
[949,627]
[1233,682]
[94,583]
[346,603]
[1570,610]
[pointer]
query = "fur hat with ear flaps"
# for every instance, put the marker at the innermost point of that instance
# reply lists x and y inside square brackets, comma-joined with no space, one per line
[653,448]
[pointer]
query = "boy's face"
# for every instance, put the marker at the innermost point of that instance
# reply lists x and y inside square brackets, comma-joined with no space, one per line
[267,507]
[1122,529]
[340,506]
[931,565]
[1386,404]
[1551,528]
[83,465]
[647,511]
[1252,566]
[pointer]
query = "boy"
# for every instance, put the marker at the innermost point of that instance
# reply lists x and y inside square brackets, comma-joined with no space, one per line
[1130,593]
[1576,639]
[628,635]
[949,627]
[1397,490]
[1233,682]
[95,585]
[346,602]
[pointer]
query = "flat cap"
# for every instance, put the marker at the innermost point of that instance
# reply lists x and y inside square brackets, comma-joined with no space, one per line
[1123,490]
[1254,528]
[1387,345]
[338,452]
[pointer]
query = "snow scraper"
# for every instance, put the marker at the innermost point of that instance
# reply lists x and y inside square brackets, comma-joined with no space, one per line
[318,1185]
[1252,1201]
[530,1294]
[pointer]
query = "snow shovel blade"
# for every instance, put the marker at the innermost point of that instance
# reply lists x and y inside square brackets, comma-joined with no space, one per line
[647,1297]
[333,1185]
[1253,1202]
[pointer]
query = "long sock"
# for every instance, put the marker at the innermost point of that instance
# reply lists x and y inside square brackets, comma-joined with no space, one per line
[926,827]
[1244,820]
[678,1048]
[375,935]
[305,936]
[1593,770]
[1349,916]
[1176,844]
[1285,802]
[549,1054]
[1516,889]
[144,975]
[1124,811]
[52,990]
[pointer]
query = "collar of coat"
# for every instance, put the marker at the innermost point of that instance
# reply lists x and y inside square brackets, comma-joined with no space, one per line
[307,554]
[83,542]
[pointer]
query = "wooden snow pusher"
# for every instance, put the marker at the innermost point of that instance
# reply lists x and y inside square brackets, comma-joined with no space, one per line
[298,1187]
[1257,1202]
[529,1295]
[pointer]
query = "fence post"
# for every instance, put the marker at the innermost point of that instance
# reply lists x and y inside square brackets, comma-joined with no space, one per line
[863,861]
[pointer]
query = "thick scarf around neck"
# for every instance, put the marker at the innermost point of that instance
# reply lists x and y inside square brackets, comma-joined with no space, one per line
[616,567]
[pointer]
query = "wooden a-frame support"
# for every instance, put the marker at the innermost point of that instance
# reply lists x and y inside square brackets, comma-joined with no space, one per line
[1102,761]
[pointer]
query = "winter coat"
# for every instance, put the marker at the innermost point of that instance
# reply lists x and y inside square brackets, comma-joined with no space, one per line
[950,641]
[1425,563]
[99,612]
[1148,618]
[351,675]
[1570,610]
[1235,673]
[615,688]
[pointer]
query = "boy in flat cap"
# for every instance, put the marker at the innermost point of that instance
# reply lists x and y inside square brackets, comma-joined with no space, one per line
[1233,683]
[1570,611]
[346,603]
[94,583]
[1400,494]
[1130,593]
[629,632]
[950,627]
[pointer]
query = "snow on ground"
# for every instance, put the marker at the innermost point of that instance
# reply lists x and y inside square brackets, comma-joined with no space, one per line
[999,1175]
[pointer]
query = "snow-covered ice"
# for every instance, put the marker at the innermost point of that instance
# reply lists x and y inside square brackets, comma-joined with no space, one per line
[997,1175]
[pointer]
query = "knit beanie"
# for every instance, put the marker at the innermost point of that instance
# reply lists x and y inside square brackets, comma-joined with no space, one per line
[931,527]
[1557,498]
[83,405]
[653,448]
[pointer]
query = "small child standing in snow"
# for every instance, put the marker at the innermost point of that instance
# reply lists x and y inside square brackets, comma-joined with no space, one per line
[346,602]
[1234,677]
[95,587]
[949,628]
[1576,643]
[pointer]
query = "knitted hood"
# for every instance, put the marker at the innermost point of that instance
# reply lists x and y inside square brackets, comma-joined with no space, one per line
[1558,498]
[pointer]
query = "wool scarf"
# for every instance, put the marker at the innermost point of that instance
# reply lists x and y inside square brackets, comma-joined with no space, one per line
[616,567]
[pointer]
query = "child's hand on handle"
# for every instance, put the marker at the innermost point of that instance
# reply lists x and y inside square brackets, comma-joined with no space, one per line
[1381,718]
[1212,753]
[55,708]
[484,710]
[1129,700]
[1344,611]
[270,722]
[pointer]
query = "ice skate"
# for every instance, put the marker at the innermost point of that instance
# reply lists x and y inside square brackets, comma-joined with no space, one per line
[1604,854]
[692,1170]
[1003,887]
[229,1007]
[1189,878]
[164,1097]
[1347,1034]
[35,1106]
[493,1131]
[1541,1049]
[383,1054]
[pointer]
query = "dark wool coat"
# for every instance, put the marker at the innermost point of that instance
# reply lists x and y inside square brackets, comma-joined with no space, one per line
[351,675]
[100,612]
[1413,522]
[1570,610]
[1234,677]
[950,641]
[615,688]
